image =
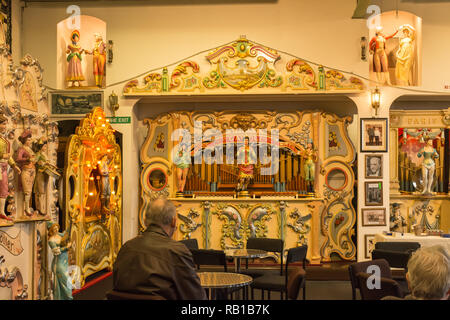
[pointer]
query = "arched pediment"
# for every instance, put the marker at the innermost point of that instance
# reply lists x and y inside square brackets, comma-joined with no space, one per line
[243,66]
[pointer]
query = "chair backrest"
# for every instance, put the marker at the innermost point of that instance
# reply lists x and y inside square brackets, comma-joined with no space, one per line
[395,259]
[357,267]
[398,246]
[295,255]
[295,282]
[267,244]
[388,287]
[120,295]
[209,257]
[190,243]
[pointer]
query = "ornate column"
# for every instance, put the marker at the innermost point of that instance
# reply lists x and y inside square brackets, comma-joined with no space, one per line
[314,246]
[394,186]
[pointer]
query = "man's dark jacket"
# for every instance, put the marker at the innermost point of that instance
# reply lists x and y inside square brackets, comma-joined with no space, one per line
[154,264]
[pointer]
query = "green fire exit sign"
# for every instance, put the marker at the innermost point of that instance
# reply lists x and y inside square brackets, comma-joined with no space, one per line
[119,119]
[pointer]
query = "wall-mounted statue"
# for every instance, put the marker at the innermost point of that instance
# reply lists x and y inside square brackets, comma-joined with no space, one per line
[380,60]
[405,56]
[5,160]
[429,153]
[74,70]
[26,159]
[59,244]
[397,223]
[99,59]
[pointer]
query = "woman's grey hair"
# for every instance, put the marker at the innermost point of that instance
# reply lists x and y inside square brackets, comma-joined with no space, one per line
[429,273]
[160,212]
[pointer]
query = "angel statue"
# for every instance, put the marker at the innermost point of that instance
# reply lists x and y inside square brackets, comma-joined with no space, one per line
[429,153]
[189,224]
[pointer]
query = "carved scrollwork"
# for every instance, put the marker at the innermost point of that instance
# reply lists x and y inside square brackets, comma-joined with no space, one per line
[233,225]
[300,225]
[189,224]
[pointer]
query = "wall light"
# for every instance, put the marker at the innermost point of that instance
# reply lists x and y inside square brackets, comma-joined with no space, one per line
[114,103]
[363,48]
[375,97]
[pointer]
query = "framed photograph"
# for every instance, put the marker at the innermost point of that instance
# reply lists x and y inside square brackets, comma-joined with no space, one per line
[72,102]
[374,136]
[374,166]
[373,217]
[374,193]
[369,245]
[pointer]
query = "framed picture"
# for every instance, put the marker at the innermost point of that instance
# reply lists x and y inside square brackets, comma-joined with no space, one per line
[374,135]
[374,166]
[71,102]
[374,193]
[369,245]
[373,217]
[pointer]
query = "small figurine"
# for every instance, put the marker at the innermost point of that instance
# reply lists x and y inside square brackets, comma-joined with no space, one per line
[246,158]
[397,222]
[5,160]
[99,59]
[159,143]
[26,160]
[59,244]
[310,156]
[429,153]
[322,81]
[105,186]
[74,69]
[182,161]
[165,80]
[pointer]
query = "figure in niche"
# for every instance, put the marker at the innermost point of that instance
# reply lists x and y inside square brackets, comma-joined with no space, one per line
[182,161]
[43,171]
[246,158]
[159,143]
[380,60]
[5,160]
[397,222]
[310,156]
[26,159]
[99,59]
[74,70]
[405,56]
[59,244]
[105,186]
[429,153]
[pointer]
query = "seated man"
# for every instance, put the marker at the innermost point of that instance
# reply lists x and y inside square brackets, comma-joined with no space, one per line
[154,264]
[428,274]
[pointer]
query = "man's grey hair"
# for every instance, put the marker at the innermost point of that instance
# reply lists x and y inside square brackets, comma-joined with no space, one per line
[160,212]
[429,273]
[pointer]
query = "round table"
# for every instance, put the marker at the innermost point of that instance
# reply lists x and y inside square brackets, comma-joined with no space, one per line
[222,280]
[238,254]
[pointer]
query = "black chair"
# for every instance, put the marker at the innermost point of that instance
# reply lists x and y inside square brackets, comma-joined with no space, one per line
[190,243]
[120,295]
[209,257]
[279,283]
[398,246]
[358,267]
[388,287]
[269,245]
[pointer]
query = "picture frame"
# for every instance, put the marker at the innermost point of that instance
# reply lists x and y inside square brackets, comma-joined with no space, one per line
[369,245]
[373,217]
[374,135]
[373,194]
[373,166]
[67,103]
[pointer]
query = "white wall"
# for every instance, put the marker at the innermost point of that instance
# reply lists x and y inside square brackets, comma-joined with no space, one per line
[147,37]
